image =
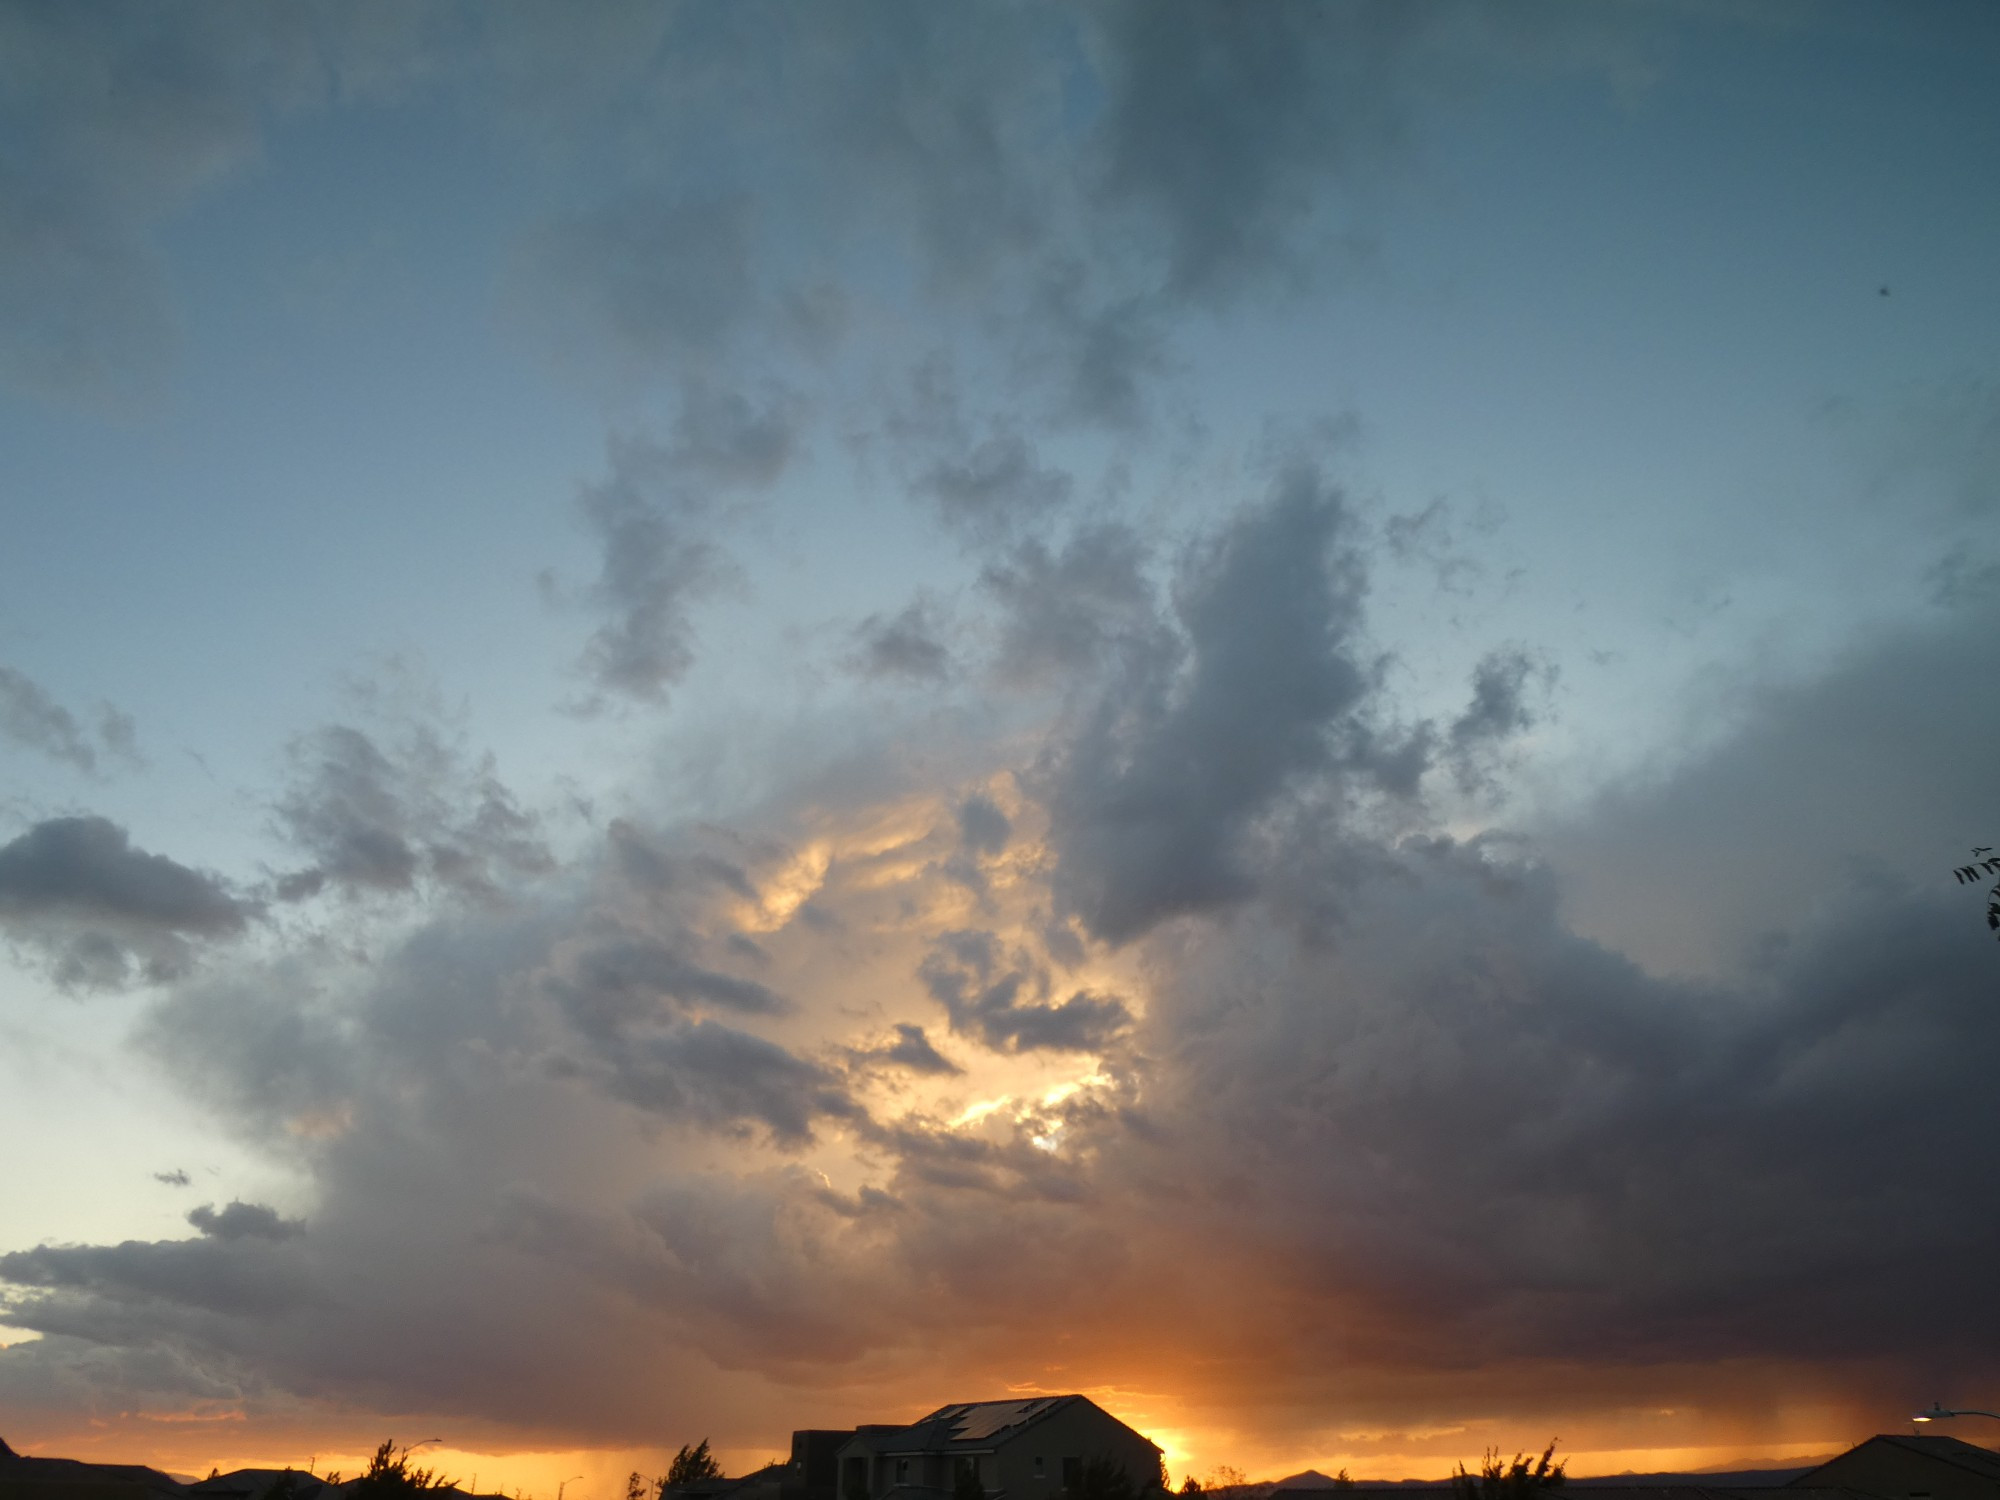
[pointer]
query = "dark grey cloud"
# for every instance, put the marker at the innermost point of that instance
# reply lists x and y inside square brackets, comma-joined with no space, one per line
[1873,763]
[119,734]
[1097,350]
[912,1049]
[995,487]
[723,437]
[384,816]
[1223,123]
[83,1289]
[983,832]
[1525,1147]
[982,827]
[1501,702]
[658,562]
[1188,747]
[87,866]
[269,1047]
[240,1220]
[721,1078]
[1510,687]
[32,718]
[653,863]
[1003,999]
[1066,612]
[178,1177]
[102,911]
[614,980]
[909,645]
[1433,538]
[931,123]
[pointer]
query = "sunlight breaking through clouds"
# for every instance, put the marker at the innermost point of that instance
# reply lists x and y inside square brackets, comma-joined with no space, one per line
[732,715]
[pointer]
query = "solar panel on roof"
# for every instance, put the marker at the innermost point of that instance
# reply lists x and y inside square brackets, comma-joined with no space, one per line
[989,1417]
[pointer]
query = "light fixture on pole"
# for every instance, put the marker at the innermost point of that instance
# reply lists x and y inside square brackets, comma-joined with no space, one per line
[1937,1413]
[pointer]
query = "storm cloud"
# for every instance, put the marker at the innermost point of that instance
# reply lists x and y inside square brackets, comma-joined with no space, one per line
[1384,1100]
[658,560]
[1180,756]
[1037,875]
[101,910]
[379,819]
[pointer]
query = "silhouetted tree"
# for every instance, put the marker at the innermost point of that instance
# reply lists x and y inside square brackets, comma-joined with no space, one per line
[965,1483]
[636,1486]
[1190,1486]
[390,1476]
[1983,864]
[1103,1479]
[691,1466]
[1516,1481]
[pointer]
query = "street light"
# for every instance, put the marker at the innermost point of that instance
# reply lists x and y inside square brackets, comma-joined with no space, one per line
[1937,1412]
[566,1484]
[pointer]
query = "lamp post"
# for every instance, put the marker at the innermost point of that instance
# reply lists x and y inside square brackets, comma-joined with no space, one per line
[566,1484]
[1937,1413]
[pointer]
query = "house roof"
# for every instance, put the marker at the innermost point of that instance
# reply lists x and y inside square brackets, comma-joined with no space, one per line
[75,1471]
[253,1484]
[1969,1456]
[974,1426]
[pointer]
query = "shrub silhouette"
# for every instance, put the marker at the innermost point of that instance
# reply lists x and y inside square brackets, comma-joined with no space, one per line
[691,1466]
[1983,864]
[1103,1479]
[1503,1481]
[390,1476]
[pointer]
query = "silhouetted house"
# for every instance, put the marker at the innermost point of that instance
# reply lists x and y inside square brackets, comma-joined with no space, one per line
[1017,1450]
[266,1484]
[766,1483]
[23,1478]
[814,1470]
[1894,1467]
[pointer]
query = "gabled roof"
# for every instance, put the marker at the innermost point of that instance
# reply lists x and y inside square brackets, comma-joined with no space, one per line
[254,1484]
[19,1466]
[983,1421]
[975,1426]
[1960,1454]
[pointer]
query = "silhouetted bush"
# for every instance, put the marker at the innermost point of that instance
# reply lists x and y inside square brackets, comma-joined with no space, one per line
[390,1476]
[1503,1481]
[691,1466]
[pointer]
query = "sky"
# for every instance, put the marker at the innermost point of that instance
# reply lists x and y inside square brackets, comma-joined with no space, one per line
[718,717]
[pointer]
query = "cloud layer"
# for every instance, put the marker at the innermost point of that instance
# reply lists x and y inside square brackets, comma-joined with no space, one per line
[1084,964]
[1351,1098]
